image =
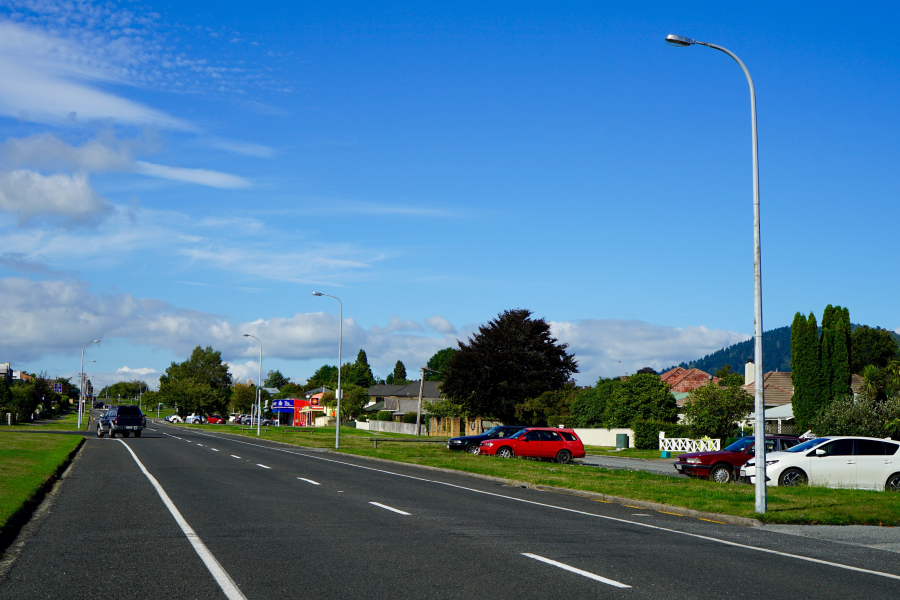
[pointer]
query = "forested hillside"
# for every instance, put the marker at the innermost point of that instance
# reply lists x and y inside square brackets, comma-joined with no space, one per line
[776,353]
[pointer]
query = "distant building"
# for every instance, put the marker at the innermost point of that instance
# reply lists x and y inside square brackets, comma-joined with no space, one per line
[684,380]
[401,399]
[6,372]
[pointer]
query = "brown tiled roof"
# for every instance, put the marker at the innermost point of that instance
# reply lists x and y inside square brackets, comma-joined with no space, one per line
[685,380]
[778,388]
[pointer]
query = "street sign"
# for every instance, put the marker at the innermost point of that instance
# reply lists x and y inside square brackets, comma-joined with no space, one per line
[57,387]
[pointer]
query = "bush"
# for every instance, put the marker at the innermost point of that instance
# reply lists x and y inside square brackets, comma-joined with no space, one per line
[362,418]
[641,397]
[385,415]
[862,416]
[646,433]
[589,409]
[409,417]
[713,410]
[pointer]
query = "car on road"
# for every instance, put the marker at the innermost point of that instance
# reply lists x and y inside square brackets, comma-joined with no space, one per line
[472,443]
[125,419]
[836,462]
[558,444]
[247,420]
[215,420]
[194,419]
[723,466]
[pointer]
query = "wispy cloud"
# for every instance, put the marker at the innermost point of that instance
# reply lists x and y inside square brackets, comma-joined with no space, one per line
[245,148]
[199,176]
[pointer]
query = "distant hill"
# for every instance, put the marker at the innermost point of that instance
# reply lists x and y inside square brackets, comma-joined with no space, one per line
[776,353]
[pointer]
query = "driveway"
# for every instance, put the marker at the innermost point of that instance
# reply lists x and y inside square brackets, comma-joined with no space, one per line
[659,466]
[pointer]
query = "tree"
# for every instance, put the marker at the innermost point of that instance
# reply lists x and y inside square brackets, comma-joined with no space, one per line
[398,376]
[289,390]
[712,410]
[439,362]
[326,375]
[834,352]
[872,346]
[641,397]
[201,384]
[725,370]
[359,373]
[861,416]
[728,378]
[6,398]
[589,407]
[649,370]
[243,396]
[274,379]
[509,360]
[806,370]
[353,399]
[549,409]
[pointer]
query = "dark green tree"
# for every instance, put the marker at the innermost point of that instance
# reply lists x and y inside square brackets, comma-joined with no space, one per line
[325,375]
[439,362]
[549,409]
[6,398]
[289,390]
[641,397]
[509,360]
[359,373]
[398,376]
[589,406]
[201,384]
[274,379]
[649,370]
[712,410]
[872,346]
[353,399]
[801,371]
[834,352]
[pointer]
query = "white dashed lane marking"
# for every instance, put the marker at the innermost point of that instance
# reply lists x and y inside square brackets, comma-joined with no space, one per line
[577,571]
[233,456]
[309,481]
[263,466]
[385,507]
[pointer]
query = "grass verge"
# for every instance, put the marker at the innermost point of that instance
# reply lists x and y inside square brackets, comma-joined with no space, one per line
[801,505]
[27,462]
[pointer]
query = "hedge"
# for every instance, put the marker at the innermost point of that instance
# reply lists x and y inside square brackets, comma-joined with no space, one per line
[646,433]
[409,417]
[385,415]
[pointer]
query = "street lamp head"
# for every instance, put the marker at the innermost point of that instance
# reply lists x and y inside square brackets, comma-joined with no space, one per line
[318,294]
[679,41]
[95,341]
[245,334]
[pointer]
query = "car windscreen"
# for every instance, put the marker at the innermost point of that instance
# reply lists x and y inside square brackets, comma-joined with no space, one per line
[807,445]
[129,411]
[741,444]
[517,434]
[493,432]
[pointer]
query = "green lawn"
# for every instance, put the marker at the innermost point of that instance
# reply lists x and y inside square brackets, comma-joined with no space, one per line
[27,460]
[803,505]
[66,422]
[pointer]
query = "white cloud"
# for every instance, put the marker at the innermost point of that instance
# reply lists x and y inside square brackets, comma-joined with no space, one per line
[440,324]
[600,344]
[49,317]
[48,151]
[66,198]
[243,372]
[245,148]
[397,324]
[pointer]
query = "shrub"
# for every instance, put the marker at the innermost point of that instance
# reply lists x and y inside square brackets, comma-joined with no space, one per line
[362,418]
[589,408]
[409,417]
[641,397]
[863,416]
[384,415]
[712,410]
[646,433]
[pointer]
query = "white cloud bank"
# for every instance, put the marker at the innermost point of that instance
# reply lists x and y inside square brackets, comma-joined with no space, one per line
[66,198]
[51,317]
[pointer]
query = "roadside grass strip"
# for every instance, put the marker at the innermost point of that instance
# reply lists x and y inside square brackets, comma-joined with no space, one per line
[229,587]
[576,571]
[386,507]
[27,461]
[698,536]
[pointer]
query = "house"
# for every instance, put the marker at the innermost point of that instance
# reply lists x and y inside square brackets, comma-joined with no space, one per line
[402,399]
[778,388]
[6,373]
[684,380]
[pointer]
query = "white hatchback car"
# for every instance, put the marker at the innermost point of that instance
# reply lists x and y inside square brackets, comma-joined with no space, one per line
[834,461]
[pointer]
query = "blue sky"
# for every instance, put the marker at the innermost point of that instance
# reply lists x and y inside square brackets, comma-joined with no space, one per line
[176,174]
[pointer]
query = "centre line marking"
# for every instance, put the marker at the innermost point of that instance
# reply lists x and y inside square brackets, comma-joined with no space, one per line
[695,536]
[229,587]
[233,456]
[199,444]
[399,512]
[213,449]
[578,571]
[263,466]
[309,481]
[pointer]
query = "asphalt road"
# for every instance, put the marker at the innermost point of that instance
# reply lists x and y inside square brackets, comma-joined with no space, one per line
[239,518]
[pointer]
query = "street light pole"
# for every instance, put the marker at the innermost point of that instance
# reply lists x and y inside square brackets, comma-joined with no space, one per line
[258,389]
[81,382]
[421,389]
[759,396]
[338,393]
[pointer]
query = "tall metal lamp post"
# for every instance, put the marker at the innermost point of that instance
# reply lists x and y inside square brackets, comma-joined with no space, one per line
[81,382]
[760,444]
[258,387]
[338,392]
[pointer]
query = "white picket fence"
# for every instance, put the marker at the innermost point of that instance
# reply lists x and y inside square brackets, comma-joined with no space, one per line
[686,444]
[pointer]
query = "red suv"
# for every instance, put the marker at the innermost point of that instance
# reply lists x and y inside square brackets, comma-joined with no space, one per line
[537,442]
[725,465]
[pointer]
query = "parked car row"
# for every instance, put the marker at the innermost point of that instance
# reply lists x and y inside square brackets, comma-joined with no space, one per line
[508,441]
[723,466]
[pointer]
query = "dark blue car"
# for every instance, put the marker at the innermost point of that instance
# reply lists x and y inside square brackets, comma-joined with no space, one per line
[472,443]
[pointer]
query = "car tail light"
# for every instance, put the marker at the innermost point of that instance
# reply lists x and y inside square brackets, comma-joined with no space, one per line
[116,421]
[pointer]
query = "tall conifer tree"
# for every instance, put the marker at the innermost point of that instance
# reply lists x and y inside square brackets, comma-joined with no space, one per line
[800,373]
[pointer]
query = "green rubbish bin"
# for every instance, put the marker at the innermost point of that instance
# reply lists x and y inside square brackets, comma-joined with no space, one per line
[621,440]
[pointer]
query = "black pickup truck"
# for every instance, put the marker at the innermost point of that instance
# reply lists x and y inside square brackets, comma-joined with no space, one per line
[126,420]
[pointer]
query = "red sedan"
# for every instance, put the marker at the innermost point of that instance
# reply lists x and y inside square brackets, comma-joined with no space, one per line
[723,466]
[215,420]
[537,442]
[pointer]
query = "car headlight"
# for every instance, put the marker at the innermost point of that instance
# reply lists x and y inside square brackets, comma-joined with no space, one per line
[693,461]
[771,462]
[456,441]
[488,444]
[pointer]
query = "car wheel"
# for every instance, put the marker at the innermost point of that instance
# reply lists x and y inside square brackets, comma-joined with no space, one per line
[137,434]
[720,474]
[112,432]
[792,478]
[473,449]
[505,452]
[563,457]
[893,483]
[99,431]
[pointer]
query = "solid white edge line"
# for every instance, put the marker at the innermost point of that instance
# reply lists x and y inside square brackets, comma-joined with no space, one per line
[229,587]
[385,507]
[581,512]
[577,571]
[309,481]
[263,466]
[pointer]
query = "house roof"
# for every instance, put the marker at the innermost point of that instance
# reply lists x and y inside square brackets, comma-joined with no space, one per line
[777,385]
[685,380]
[680,398]
[402,391]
